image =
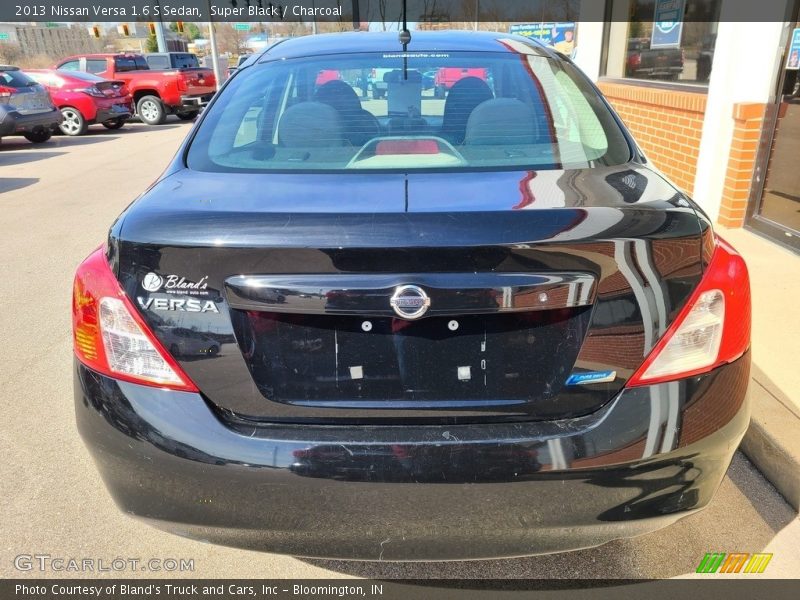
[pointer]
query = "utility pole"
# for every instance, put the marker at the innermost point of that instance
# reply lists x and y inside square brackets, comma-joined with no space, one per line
[313,19]
[160,37]
[357,15]
[477,15]
[212,41]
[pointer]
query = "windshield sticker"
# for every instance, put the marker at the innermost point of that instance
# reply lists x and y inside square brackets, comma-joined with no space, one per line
[416,55]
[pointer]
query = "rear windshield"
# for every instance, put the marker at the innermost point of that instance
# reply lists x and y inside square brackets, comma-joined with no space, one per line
[15,79]
[81,75]
[390,111]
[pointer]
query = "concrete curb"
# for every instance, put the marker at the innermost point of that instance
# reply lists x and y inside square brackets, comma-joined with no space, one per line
[772,442]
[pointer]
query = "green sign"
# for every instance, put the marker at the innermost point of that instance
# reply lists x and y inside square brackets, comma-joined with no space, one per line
[241,26]
[51,24]
[4,36]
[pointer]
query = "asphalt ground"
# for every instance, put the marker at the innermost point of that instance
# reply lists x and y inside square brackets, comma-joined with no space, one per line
[57,201]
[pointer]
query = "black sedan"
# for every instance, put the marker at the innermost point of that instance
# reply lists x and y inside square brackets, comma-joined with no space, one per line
[467,327]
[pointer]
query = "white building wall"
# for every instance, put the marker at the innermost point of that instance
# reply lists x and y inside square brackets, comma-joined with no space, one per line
[589,38]
[741,72]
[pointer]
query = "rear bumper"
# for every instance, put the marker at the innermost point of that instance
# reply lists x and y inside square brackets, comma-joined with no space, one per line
[109,114]
[649,457]
[12,122]
[190,103]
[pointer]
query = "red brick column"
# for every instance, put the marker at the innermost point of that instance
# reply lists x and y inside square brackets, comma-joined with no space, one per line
[748,118]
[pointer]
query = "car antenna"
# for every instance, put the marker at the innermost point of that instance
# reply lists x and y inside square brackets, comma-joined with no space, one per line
[405,38]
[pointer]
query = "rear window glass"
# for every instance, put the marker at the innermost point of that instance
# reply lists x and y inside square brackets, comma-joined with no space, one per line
[83,76]
[408,111]
[15,79]
[184,61]
[158,62]
[172,61]
[96,65]
[129,63]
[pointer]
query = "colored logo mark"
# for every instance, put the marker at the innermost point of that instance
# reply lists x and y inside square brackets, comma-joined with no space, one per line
[736,562]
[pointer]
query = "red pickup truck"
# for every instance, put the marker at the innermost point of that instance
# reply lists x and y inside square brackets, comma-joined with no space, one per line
[156,93]
[446,77]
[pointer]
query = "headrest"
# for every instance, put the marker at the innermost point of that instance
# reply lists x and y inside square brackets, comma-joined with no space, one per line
[503,121]
[396,76]
[339,95]
[310,124]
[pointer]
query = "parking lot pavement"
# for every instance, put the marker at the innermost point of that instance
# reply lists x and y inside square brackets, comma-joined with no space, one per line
[56,203]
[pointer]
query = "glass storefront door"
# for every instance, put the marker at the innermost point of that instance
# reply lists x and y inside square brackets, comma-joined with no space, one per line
[776,210]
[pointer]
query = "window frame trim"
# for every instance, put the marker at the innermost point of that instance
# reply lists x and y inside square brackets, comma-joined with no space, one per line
[654,83]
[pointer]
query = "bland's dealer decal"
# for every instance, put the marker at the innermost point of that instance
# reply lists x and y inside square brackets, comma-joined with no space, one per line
[174,284]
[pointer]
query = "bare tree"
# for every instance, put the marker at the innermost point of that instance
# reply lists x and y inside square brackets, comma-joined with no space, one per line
[10,54]
[228,39]
[289,29]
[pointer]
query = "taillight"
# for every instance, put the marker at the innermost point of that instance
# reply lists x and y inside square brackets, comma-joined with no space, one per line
[711,330]
[111,338]
[93,91]
[182,83]
[5,93]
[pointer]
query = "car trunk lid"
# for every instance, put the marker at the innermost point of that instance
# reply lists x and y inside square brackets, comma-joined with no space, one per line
[111,88]
[31,99]
[546,289]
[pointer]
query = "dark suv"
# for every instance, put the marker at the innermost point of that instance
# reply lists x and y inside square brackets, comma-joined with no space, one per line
[460,327]
[26,107]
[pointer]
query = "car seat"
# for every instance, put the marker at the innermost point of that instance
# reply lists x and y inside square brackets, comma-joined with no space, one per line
[359,125]
[310,124]
[464,96]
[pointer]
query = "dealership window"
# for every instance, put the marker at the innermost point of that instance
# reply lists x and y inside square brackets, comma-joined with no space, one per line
[681,51]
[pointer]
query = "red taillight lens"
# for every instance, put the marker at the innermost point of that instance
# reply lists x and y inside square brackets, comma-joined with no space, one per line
[93,91]
[5,92]
[711,330]
[111,338]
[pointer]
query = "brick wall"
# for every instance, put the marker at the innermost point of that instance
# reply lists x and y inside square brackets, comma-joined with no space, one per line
[667,124]
[748,118]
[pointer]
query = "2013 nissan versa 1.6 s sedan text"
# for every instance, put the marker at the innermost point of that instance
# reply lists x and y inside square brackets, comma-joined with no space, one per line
[473,326]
